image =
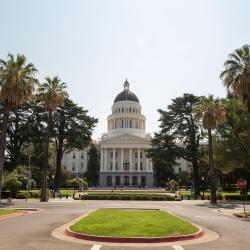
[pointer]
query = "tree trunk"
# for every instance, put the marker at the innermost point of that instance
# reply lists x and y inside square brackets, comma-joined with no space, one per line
[44,193]
[59,151]
[196,178]
[59,154]
[2,145]
[211,166]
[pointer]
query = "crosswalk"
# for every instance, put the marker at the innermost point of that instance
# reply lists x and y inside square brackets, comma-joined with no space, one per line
[98,247]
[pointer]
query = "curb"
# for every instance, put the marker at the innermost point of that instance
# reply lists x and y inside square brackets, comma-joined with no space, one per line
[7,216]
[242,217]
[134,239]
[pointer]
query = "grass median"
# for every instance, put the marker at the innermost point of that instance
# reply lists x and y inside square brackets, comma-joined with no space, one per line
[133,223]
[7,211]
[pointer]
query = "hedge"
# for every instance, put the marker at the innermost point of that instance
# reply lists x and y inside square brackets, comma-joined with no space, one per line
[236,197]
[126,197]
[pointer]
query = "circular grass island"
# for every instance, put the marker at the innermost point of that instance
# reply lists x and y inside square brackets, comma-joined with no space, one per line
[7,211]
[114,225]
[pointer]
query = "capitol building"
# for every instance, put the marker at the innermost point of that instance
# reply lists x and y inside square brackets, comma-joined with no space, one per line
[122,149]
[123,158]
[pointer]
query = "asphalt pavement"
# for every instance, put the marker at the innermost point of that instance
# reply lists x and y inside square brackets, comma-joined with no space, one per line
[33,230]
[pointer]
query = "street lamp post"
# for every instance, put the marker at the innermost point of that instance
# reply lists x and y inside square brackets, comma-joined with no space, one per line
[202,178]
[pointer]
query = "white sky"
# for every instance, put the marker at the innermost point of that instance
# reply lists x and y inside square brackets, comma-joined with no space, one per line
[164,48]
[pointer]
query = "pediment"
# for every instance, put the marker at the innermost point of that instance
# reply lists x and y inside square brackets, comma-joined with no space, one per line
[126,139]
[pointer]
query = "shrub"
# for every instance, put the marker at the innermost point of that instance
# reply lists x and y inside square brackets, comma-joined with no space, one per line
[236,197]
[13,184]
[125,197]
[172,186]
[5,194]
[21,195]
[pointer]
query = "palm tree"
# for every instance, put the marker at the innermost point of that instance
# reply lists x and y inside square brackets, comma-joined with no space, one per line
[211,112]
[52,93]
[17,85]
[236,75]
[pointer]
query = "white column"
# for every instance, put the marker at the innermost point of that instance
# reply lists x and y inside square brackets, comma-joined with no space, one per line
[150,166]
[147,164]
[105,159]
[121,159]
[139,159]
[130,160]
[113,159]
[102,159]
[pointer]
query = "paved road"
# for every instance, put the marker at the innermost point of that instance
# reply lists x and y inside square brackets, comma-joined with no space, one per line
[33,231]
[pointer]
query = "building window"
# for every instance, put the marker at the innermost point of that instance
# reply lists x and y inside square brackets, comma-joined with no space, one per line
[143,181]
[136,166]
[179,170]
[141,166]
[74,155]
[73,166]
[116,155]
[141,155]
[109,180]
[117,180]
[134,180]
[136,155]
[116,166]
[126,166]
[82,155]
[122,110]
[126,180]
[81,165]
[129,110]
[111,155]
[111,165]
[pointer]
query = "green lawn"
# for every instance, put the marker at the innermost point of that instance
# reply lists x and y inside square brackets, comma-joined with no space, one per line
[133,223]
[242,214]
[7,211]
[223,193]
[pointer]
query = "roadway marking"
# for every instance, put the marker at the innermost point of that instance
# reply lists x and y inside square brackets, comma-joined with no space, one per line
[96,247]
[178,248]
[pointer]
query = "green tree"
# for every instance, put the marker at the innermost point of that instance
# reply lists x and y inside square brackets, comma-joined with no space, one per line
[20,132]
[163,153]
[179,124]
[210,112]
[52,93]
[236,75]
[13,184]
[17,82]
[72,129]
[78,183]
[92,173]
[231,147]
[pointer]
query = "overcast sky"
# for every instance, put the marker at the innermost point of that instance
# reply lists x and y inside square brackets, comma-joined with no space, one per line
[164,48]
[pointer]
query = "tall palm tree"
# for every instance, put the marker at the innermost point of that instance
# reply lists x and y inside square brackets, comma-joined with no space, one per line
[52,93]
[211,112]
[17,85]
[236,75]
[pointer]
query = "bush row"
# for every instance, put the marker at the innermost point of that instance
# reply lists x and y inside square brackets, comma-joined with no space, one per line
[236,197]
[126,197]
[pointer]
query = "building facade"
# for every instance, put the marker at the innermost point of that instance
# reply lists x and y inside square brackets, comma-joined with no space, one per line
[123,158]
[76,161]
